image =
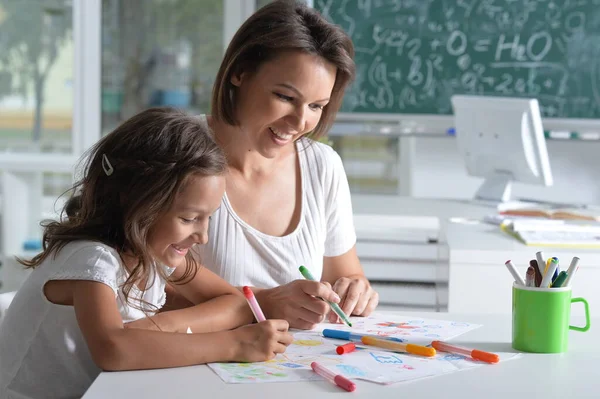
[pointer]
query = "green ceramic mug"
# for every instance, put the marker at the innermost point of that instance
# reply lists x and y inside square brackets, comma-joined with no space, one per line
[541,318]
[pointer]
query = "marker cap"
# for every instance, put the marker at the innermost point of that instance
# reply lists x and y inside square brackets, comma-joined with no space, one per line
[346,348]
[485,356]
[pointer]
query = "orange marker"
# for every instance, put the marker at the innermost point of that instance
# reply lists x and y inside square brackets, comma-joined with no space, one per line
[474,353]
[398,346]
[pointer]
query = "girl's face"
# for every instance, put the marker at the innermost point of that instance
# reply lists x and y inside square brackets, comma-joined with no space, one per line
[186,223]
[282,100]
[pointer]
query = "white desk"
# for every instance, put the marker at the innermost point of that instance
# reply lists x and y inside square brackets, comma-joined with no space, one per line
[478,281]
[570,375]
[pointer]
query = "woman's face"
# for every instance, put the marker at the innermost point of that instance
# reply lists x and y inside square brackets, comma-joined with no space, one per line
[282,100]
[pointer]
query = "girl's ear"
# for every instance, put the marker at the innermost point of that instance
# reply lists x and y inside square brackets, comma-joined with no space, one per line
[236,78]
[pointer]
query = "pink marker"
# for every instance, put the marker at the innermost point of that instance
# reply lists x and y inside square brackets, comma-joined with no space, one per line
[337,379]
[256,310]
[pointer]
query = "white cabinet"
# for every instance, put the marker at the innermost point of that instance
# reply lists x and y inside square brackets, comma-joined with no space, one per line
[404,258]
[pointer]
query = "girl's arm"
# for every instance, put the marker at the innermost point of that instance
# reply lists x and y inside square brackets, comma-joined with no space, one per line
[114,347]
[218,306]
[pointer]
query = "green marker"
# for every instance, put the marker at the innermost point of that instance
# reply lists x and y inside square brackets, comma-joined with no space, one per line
[560,280]
[307,275]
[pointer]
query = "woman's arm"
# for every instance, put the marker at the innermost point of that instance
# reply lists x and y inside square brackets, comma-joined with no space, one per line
[297,302]
[114,347]
[346,276]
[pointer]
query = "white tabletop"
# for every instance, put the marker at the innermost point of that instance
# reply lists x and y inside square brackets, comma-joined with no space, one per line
[470,241]
[570,375]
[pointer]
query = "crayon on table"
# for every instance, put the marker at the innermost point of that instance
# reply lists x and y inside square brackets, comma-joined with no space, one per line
[573,267]
[514,272]
[398,346]
[337,379]
[474,353]
[256,310]
[334,306]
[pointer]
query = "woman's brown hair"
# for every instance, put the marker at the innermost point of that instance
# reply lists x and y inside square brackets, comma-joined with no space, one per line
[131,177]
[277,27]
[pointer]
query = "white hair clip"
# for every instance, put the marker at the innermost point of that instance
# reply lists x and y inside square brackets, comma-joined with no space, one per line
[108,169]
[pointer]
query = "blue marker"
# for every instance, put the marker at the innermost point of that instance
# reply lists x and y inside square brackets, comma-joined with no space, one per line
[557,271]
[350,336]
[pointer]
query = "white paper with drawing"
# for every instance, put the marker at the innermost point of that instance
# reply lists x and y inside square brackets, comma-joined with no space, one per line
[366,363]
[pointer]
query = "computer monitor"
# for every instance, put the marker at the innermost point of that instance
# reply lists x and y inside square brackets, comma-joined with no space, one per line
[502,140]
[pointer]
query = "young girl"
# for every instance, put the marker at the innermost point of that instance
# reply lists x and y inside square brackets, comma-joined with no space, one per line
[146,198]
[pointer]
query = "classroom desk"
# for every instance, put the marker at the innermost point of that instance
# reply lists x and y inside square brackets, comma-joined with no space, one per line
[570,375]
[478,281]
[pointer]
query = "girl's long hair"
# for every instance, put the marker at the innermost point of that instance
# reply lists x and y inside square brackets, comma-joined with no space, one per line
[131,177]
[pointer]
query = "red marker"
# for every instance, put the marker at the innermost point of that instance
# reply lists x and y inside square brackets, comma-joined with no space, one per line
[337,379]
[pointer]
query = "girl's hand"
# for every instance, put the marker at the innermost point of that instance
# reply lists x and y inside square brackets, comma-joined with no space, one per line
[297,302]
[262,341]
[358,298]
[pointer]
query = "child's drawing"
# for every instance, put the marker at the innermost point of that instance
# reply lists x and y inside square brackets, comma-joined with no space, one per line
[370,364]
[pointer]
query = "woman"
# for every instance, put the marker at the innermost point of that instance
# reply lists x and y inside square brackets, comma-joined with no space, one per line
[287,201]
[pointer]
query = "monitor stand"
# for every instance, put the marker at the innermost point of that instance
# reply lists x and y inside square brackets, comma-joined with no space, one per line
[495,188]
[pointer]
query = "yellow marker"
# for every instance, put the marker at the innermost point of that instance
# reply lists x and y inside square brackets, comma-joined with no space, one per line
[398,346]
[547,264]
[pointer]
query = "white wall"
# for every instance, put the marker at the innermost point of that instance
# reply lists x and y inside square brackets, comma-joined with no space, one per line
[439,172]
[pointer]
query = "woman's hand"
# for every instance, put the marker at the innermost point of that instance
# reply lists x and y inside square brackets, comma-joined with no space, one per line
[296,302]
[262,341]
[358,298]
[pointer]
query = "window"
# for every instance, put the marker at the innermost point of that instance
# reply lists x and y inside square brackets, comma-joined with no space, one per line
[36,76]
[158,53]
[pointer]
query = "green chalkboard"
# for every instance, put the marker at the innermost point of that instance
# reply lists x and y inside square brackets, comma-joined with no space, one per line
[412,55]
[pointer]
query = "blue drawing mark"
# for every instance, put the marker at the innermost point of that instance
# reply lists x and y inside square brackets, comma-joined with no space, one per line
[396,339]
[453,357]
[291,365]
[415,321]
[386,359]
[432,335]
[460,324]
[433,326]
[349,370]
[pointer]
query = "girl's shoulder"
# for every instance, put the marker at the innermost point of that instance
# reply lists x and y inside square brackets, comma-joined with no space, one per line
[87,249]
[85,260]
[86,256]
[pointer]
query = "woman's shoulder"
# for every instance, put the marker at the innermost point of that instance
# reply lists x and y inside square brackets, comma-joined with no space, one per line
[318,151]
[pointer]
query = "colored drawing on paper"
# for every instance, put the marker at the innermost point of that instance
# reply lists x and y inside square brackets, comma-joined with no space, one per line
[251,371]
[307,342]
[395,325]
[367,363]
[385,358]
[408,329]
